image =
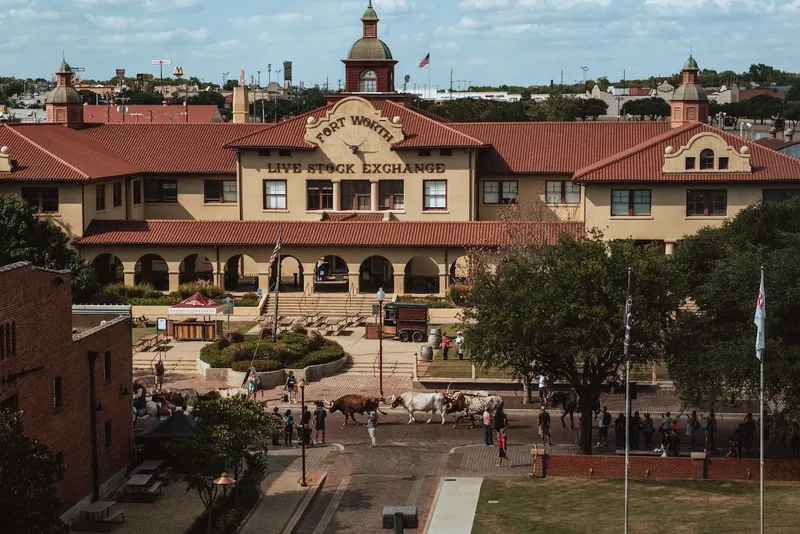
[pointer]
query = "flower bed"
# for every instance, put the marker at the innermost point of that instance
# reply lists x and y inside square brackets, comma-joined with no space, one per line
[144,294]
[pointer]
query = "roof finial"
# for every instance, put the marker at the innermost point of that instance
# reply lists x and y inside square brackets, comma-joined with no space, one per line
[370,3]
[690,50]
[63,57]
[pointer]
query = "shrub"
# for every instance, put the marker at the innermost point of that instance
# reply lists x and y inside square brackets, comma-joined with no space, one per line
[458,294]
[432,302]
[207,289]
[313,341]
[327,354]
[261,366]
[244,351]
[153,301]
[117,289]
[248,300]
[211,355]
[233,336]
[299,329]
[283,354]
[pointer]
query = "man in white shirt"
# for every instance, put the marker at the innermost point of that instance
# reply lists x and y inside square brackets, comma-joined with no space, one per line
[542,390]
[460,344]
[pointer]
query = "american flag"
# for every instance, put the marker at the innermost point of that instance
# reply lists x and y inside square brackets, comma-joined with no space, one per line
[275,252]
[424,61]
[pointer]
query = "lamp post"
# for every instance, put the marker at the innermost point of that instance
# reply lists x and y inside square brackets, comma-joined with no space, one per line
[302,385]
[224,480]
[380,296]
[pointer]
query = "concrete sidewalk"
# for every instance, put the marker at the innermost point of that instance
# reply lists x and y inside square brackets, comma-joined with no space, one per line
[455,506]
[282,503]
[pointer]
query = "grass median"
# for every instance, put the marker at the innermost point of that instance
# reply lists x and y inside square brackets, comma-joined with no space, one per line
[577,505]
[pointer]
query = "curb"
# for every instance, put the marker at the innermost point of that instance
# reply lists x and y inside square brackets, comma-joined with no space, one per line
[298,513]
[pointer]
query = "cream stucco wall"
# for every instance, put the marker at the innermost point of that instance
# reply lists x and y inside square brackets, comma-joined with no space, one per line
[667,220]
[191,200]
[135,211]
[70,203]
[335,160]
[532,205]
[90,211]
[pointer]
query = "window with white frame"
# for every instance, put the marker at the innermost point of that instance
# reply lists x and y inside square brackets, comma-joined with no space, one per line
[274,194]
[562,192]
[434,195]
[500,191]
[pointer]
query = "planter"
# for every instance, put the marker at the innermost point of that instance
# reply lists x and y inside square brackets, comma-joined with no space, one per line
[315,372]
[271,379]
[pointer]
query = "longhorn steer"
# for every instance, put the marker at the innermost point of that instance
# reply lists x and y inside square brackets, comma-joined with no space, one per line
[468,404]
[420,402]
[350,405]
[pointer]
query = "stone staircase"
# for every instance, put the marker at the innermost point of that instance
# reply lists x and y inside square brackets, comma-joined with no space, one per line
[173,363]
[389,368]
[326,304]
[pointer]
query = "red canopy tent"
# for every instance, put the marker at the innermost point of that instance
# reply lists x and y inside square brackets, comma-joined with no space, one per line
[197,304]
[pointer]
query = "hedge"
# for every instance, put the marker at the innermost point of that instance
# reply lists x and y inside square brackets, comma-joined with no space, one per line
[327,354]
[239,356]
[432,302]
[211,355]
[261,366]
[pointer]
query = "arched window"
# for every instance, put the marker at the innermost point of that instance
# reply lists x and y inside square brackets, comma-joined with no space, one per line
[706,159]
[369,82]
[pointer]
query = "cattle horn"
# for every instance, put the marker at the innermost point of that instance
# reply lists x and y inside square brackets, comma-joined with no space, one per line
[391,399]
[448,388]
[328,404]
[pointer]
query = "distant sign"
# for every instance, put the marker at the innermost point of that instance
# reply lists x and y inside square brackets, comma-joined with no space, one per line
[142,77]
[161,62]
[177,71]
[120,73]
[161,324]
[287,71]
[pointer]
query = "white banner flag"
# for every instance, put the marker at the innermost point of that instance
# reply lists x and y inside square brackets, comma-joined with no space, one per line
[760,317]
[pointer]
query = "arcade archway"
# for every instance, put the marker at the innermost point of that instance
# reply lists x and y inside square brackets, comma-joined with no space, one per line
[195,268]
[108,270]
[291,274]
[421,276]
[152,268]
[376,272]
[330,275]
[240,274]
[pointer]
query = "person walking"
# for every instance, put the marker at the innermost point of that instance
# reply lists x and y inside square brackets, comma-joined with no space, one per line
[445,346]
[276,436]
[319,421]
[647,431]
[460,344]
[737,437]
[542,390]
[748,431]
[710,426]
[372,423]
[502,447]
[604,421]
[487,426]
[619,431]
[544,427]
[692,426]
[290,387]
[288,428]
[159,368]
[499,420]
[253,384]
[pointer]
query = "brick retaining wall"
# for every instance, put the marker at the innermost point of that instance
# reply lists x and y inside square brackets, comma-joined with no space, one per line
[604,466]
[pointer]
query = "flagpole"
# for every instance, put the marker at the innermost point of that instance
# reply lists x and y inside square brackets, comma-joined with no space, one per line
[626,345]
[277,292]
[761,419]
[429,76]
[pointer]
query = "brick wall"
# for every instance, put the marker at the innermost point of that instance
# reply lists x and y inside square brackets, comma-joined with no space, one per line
[38,304]
[353,76]
[603,466]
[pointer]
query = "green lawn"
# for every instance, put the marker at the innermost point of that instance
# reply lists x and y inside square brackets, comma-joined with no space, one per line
[139,333]
[577,505]
[448,329]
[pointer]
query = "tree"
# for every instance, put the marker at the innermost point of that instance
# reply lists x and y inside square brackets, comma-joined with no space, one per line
[87,97]
[26,237]
[793,94]
[792,113]
[27,472]
[761,74]
[231,84]
[228,434]
[559,310]
[207,98]
[592,107]
[651,108]
[765,106]
[712,351]
[137,96]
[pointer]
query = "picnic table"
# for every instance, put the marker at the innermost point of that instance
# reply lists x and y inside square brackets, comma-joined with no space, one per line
[333,324]
[140,485]
[100,512]
[149,467]
[147,342]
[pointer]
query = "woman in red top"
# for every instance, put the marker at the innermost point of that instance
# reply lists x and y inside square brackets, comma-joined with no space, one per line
[445,345]
[502,447]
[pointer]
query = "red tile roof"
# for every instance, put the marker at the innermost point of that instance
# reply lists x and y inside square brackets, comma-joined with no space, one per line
[173,148]
[151,114]
[353,217]
[747,94]
[55,152]
[643,162]
[307,233]
[775,144]
[554,147]
[421,131]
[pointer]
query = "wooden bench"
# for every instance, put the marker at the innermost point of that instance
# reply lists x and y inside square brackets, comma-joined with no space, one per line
[112,517]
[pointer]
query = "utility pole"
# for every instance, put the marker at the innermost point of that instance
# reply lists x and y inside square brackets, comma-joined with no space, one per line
[122,108]
[269,73]
[340,86]
[584,69]
[259,79]
[451,84]
[224,79]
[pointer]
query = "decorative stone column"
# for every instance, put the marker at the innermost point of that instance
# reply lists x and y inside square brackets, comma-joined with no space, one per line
[373,196]
[443,278]
[219,279]
[337,198]
[129,278]
[399,284]
[174,280]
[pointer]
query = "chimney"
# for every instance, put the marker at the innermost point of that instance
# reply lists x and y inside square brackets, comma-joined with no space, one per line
[773,132]
[241,102]
[5,159]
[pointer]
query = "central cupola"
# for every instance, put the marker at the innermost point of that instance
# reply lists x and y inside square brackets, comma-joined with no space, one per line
[369,67]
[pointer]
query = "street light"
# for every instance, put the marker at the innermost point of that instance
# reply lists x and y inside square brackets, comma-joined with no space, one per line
[224,480]
[380,296]
[302,385]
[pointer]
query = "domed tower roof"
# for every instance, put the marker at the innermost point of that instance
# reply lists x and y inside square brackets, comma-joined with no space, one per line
[369,48]
[690,89]
[63,104]
[370,14]
[689,102]
[690,64]
[64,68]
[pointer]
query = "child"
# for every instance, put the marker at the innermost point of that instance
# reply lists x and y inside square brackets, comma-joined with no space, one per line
[502,446]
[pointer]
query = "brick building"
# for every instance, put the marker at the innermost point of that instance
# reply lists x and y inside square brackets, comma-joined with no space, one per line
[73,388]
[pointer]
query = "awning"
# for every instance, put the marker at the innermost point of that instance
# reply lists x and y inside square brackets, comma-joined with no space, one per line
[197,304]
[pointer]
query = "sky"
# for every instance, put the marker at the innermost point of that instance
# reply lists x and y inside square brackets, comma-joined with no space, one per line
[485,42]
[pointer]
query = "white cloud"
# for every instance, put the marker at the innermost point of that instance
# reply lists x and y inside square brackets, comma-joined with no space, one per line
[31,12]
[483,4]
[198,35]
[125,23]
[391,6]
[291,17]
[562,4]
[169,5]
[98,3]
[449,46]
